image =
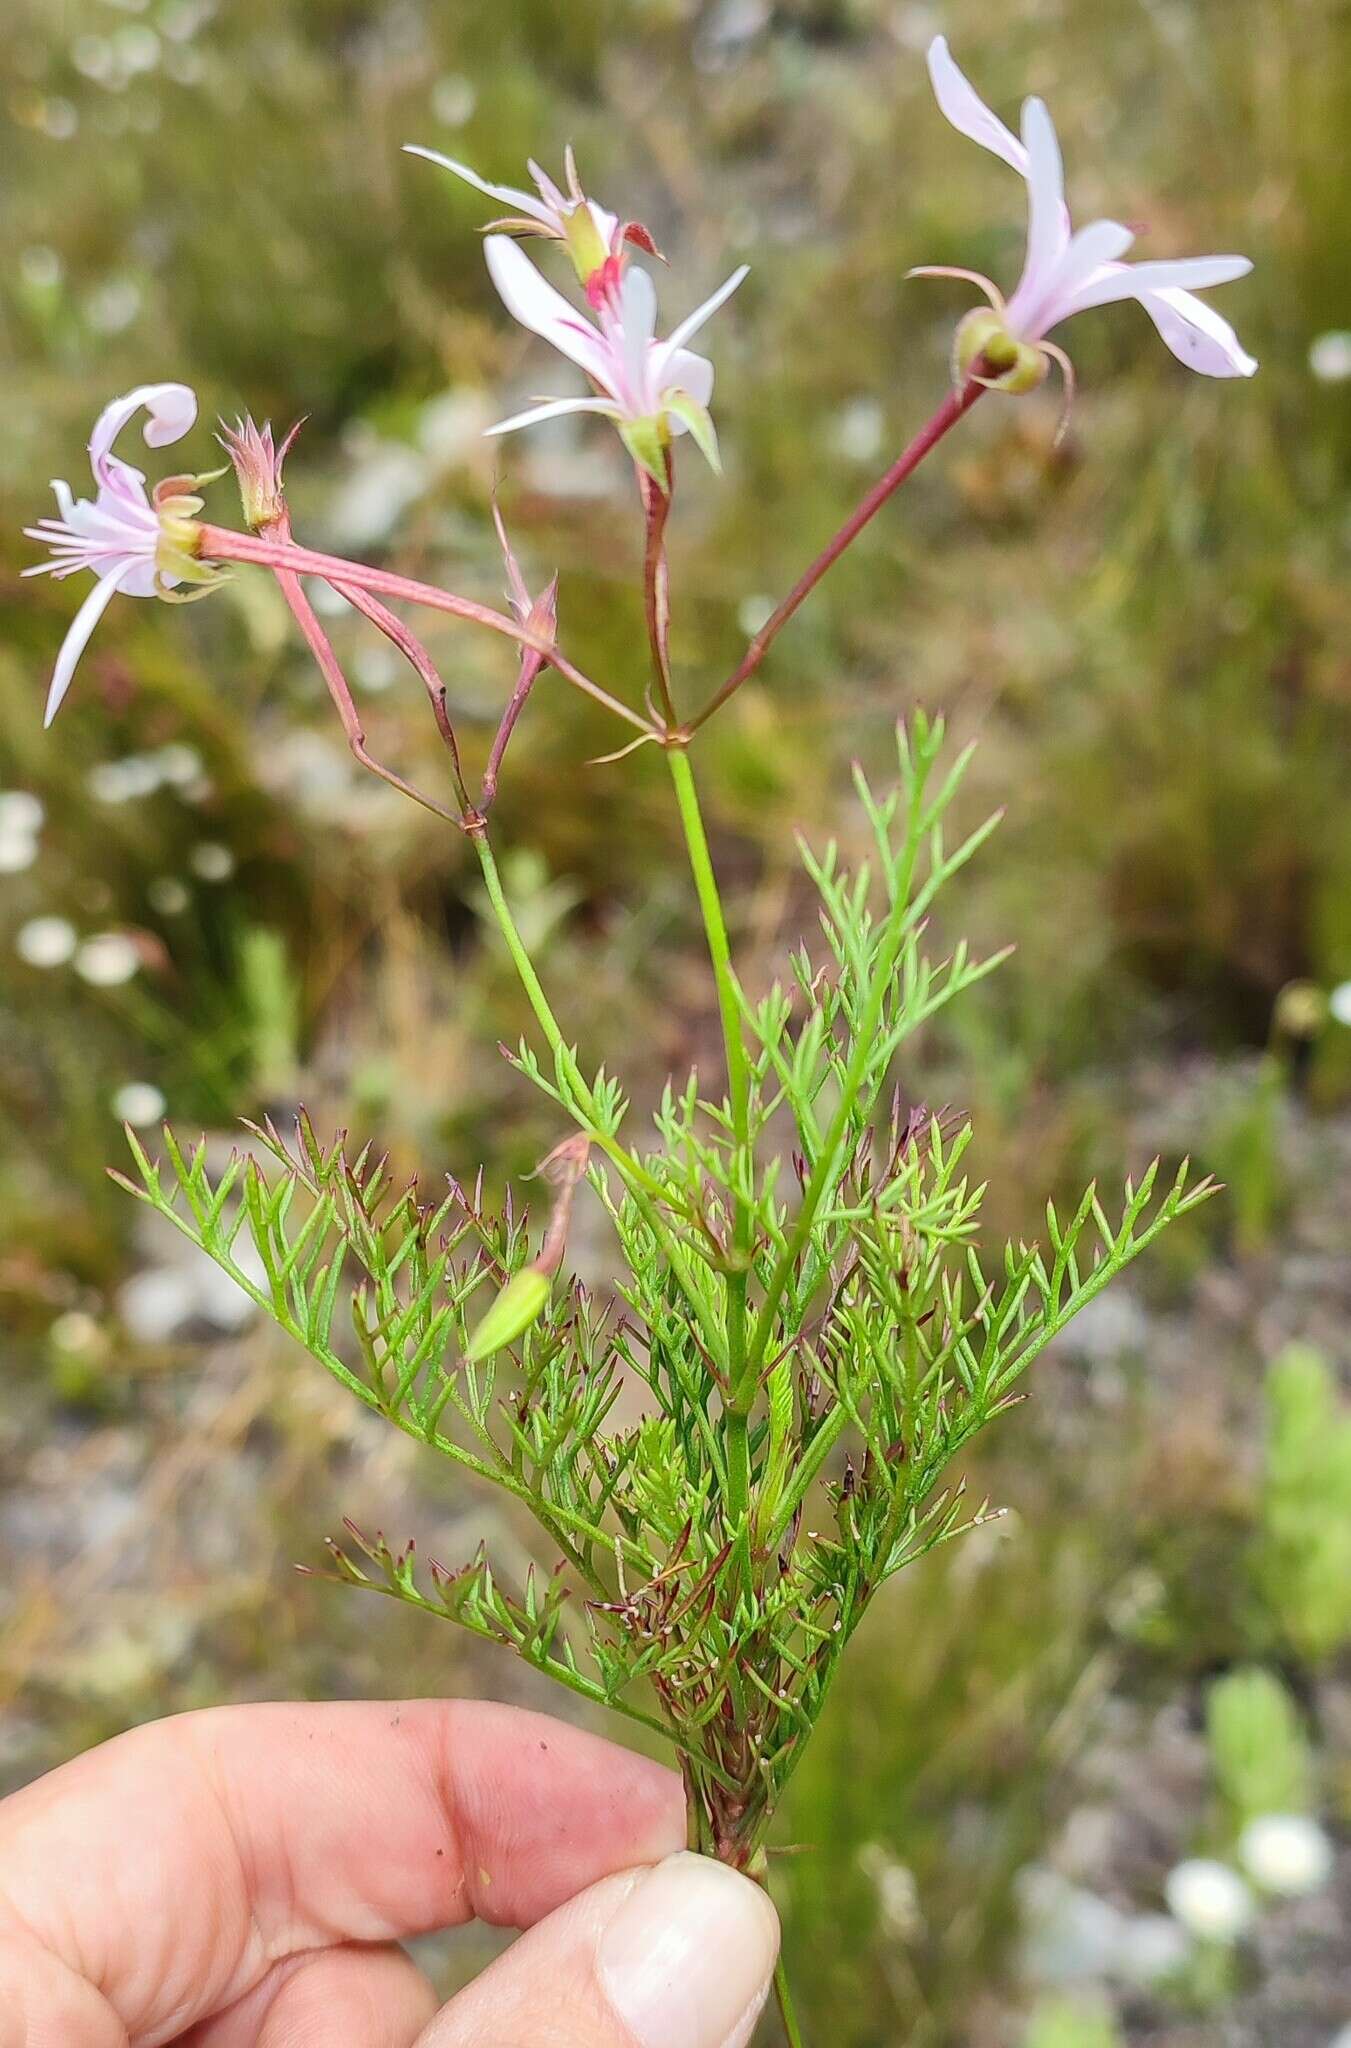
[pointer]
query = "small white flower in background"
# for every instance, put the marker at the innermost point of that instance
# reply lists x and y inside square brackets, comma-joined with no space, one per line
[1339,1003]
[138,1103]
[858,430]
[130,542]
[650,389]
[168,895]
[126,781]
[107,960]
[74,1332]
[1209,1899]
[211,862]
[21,813]
[754,612]
[18,851]
[46,942]
[1330,356]
[1286,1853]
[1066,273]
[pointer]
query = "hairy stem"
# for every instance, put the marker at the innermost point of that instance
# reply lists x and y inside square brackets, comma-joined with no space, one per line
[949,412]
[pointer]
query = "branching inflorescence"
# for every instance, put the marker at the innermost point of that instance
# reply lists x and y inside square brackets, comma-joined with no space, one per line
[817,1329]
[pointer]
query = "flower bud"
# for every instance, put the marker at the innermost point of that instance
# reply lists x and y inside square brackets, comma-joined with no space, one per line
[585,243]
[258,464]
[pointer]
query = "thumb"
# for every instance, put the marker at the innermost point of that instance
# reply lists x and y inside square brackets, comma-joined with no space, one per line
[677,1956]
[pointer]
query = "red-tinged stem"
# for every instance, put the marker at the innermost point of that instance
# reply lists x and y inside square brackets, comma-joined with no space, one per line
[531,664]
[331,669]
[417,657]
[657,586]
[954,405]
[223,544]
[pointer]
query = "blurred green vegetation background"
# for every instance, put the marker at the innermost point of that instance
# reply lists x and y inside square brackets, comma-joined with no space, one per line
[204,907]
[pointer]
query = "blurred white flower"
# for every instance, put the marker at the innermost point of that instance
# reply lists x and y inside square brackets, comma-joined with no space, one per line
[1339,1003]
[857,430]
[125,781]
[1330,356]
[454,99]
[74,1331]
[1209,1899]
[107,960]
[178,763]
[211,862]
[156,1303]
[20,812]
[754,612]
[18,851]
[1286,1853]
[46,941]
[138,1103]
[168,896]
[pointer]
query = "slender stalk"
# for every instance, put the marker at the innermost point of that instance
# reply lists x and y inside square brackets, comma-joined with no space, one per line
[657,586]
[736,1413]
[787,2010]
[864,1034]
[949,412]
[646,1190]
[223,544]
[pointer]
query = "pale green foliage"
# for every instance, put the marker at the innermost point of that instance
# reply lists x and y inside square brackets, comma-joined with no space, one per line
[1072,2023]
[819,1338]
[1302,1560]
[1258,1747]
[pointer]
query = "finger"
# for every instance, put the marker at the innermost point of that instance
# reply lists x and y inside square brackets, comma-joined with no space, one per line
[172,1868]
[363,1997]
[680,1956]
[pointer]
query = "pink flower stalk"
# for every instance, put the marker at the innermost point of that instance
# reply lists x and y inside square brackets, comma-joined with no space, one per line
[141,546]
[651,389]
[594,238]
[1066,272]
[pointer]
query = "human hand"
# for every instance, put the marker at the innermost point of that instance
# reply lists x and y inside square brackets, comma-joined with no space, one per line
[242,1878]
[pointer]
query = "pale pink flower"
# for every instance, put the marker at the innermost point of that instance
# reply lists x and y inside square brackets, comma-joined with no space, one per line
[128,541]
[594,238]
[1066,272]
[651,389]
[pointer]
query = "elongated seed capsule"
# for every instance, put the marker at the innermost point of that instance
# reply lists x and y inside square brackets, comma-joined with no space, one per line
[521,1303]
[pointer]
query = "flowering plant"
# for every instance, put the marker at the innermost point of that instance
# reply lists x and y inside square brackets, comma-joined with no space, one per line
[818,1334]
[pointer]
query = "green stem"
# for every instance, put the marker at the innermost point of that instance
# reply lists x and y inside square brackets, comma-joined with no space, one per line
[741,1384]
[861,1053]
[787,2009]
[647,1191]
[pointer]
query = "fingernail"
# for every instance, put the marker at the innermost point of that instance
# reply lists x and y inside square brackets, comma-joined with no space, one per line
[687,1960]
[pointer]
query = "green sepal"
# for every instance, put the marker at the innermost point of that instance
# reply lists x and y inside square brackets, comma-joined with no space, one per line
[700,423]
[646,443]
[521,1303]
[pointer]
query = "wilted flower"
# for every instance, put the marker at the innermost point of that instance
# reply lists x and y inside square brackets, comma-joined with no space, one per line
[594,238]
[258,465]
[131,542]
[651,389]
[1209,1899]
[1066,272]
[1286,1853]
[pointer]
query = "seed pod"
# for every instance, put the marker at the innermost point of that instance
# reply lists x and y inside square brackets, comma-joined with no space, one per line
[521,1303]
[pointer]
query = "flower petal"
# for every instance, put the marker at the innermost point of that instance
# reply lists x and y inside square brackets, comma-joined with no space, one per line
[1188,273]
[524,202]
[535,303]
[172,409]
[637,325]
[692,322]
[551,409]
[1048,222]
[1197,335]
[967,111]
[687,372]
[77,638]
